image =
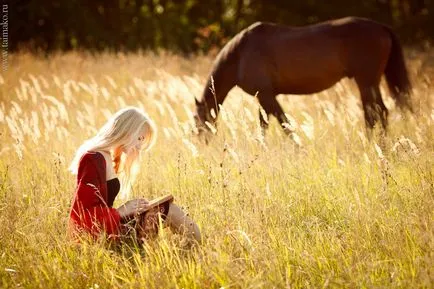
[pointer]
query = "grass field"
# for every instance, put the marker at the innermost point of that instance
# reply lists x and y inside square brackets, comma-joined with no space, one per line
[340,211]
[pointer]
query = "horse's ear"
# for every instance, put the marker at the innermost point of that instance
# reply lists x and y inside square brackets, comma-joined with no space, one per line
[196,101]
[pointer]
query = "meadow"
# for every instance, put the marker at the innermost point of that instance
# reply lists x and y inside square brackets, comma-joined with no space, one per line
[330,208]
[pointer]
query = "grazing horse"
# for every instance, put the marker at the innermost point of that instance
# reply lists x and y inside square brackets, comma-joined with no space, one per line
[268,59]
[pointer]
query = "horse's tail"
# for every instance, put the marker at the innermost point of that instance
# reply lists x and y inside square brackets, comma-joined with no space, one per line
[397,75]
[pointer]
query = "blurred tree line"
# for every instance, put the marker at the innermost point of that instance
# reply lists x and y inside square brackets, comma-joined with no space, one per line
[190,25]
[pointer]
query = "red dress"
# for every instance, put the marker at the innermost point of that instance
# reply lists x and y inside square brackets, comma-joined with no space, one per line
[90,212]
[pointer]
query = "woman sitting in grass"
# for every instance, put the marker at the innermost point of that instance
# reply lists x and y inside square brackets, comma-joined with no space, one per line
[116,150]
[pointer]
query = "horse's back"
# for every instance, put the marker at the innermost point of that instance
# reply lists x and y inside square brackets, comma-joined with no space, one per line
[366,43]
[309,58]
[347,27]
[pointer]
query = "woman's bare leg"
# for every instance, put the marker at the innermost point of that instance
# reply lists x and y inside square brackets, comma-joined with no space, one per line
[181,223]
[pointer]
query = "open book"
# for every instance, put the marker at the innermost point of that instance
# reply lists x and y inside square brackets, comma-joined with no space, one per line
[160,202]
[147,223]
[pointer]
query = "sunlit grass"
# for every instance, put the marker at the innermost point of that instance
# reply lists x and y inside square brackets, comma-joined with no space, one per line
[335,210]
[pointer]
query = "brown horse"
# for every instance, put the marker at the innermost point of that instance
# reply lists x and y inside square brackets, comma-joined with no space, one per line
[269,59]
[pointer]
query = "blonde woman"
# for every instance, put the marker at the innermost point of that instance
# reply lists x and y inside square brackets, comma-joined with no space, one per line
[114,151]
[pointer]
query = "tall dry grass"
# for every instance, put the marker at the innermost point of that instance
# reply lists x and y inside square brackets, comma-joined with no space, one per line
[336,210]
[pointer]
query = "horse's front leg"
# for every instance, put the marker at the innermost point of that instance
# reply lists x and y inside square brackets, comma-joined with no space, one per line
[270,106]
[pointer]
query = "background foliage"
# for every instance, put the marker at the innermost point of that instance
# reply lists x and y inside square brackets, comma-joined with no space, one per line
[191,25]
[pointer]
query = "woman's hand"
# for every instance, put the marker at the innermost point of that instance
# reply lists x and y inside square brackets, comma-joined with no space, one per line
[132,208]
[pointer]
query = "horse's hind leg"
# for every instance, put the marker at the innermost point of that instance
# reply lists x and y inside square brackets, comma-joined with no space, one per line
[381,109]
[373,105]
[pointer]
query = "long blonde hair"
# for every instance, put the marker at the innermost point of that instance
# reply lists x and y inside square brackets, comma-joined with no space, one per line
[120,134]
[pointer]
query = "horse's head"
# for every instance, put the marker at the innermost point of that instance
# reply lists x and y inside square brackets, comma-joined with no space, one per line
[202,115]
